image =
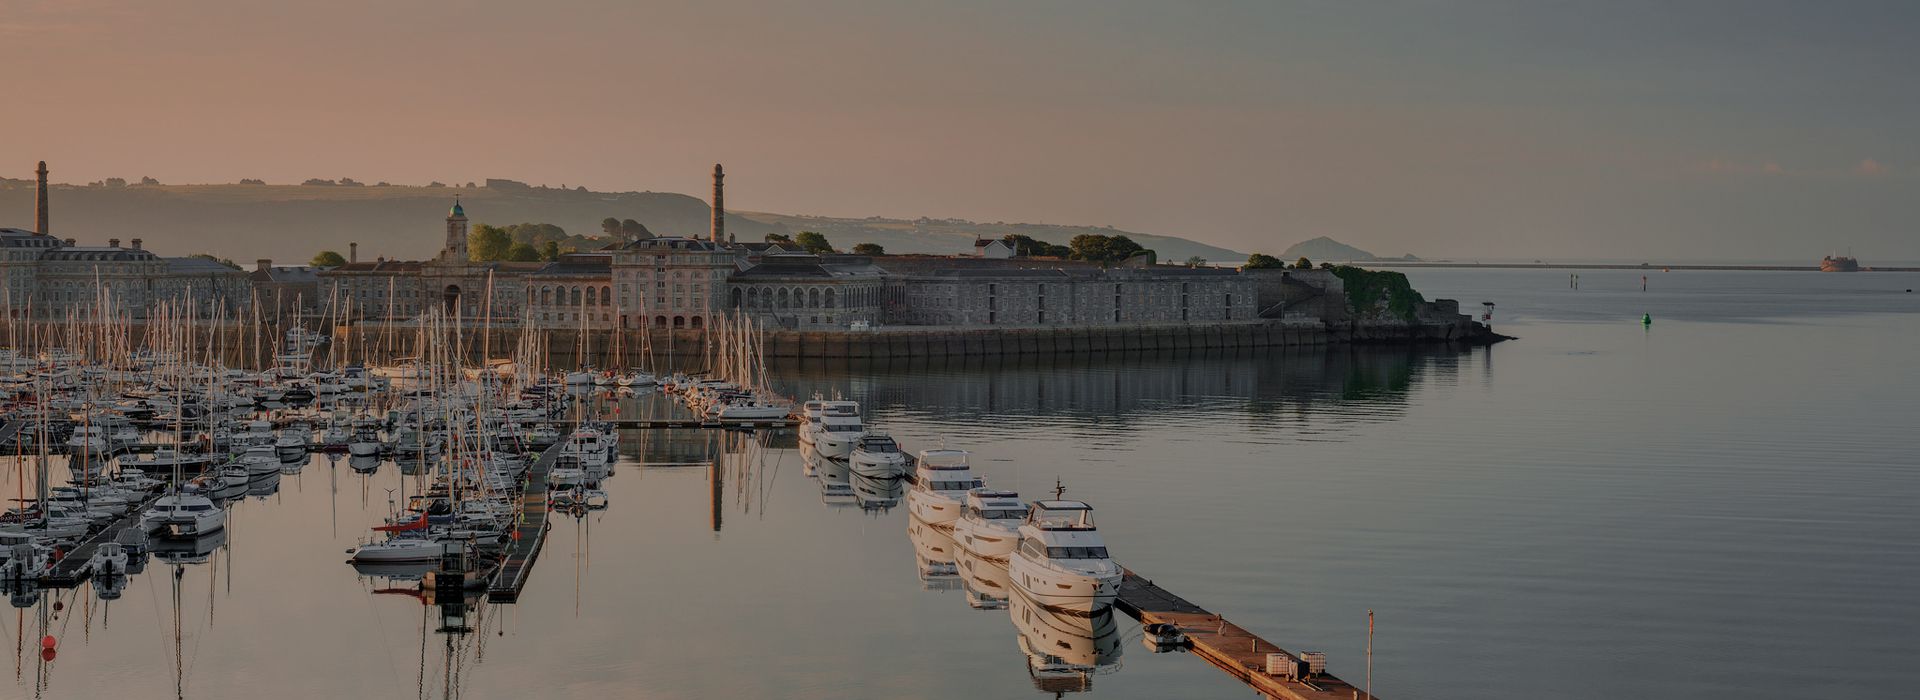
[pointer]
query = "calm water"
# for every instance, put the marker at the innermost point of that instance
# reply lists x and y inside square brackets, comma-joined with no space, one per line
[1720,504]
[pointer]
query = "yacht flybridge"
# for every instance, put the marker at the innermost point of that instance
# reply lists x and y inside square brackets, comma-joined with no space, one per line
[1061,562]
[941,481]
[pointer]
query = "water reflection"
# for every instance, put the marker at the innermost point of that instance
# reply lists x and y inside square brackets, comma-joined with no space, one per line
[1137,391]
[1065,652]
[935,555]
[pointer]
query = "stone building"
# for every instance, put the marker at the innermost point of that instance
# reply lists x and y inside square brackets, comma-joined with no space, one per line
[404,289]
[671,282]
[288,290]
[805,291]
[962,295]
[573,292]
[50,278]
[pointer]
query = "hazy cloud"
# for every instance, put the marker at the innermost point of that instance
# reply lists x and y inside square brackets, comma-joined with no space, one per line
[1870,168]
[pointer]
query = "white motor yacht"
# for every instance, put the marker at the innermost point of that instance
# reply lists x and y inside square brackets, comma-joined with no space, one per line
[941,480]
[586,448]
[182,515]
[260,459]
[834,429]
[989,526]
[1061,561]
[877,456]
[109,560]
[399,549]
[89,441]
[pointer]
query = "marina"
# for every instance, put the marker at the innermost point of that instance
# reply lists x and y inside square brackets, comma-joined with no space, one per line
[565,470]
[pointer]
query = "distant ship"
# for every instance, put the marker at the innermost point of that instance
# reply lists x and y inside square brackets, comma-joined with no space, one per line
[1842,263]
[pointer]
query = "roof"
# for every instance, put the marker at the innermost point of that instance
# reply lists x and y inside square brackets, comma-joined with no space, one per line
[672,243]
[805,265]
[97,254]
[377,266]
[287,274]
[598,264]
[197,266]
[456,212]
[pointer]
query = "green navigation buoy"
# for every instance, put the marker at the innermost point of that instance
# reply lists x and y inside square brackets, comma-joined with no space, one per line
[1646,319]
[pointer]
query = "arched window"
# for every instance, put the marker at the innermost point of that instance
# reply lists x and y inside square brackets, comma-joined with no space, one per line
[576,296]
[592,299]
[679,322]
[813,298]
[606,295]
[660,321]
[829,299]
[766,298]
[781,302]
[736,297]
[696,322]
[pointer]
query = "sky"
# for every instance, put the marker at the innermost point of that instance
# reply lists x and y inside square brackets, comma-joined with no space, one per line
[1614,129]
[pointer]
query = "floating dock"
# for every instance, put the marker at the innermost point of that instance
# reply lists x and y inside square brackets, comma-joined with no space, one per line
[1229,647]
[72,567]
[528,534]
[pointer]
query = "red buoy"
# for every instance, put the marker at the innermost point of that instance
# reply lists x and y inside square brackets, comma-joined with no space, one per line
[48,654]
[48,642]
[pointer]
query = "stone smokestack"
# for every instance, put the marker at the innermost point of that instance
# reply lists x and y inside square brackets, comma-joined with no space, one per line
[263,264]
[136,244]
[113,243]
[718,233]
[353,252]
[40,204]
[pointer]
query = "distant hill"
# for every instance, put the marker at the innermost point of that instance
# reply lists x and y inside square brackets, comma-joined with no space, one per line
[957,235]
[1324,249]
[289,223]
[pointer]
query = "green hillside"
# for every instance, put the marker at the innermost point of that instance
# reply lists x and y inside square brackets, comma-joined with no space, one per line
[289,223]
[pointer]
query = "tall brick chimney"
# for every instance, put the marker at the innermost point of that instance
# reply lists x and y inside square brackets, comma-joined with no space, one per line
[718,233]
[263,264]
[40,203]
[113,243]
[136,244]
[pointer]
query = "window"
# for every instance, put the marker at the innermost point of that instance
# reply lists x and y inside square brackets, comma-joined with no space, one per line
[829,298]
[1076,552]
[813,298]
[606,295]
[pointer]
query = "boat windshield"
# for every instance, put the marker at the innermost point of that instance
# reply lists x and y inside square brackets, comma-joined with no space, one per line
[879,445]
[1063,519]
[1000,513]
[1076,552]
[843,427]
[967,485]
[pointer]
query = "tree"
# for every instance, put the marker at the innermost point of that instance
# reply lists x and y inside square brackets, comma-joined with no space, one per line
[328,258]
[1196,261]
[610,227]
[550,251]
[813,242]
[1103,249]
[522,252]
[488,243]
[869,249]
[778,238]
[1303,264]
[634,230]
[1059,251]
[1262,261]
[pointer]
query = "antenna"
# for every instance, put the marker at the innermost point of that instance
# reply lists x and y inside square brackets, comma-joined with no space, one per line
[1059,489]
